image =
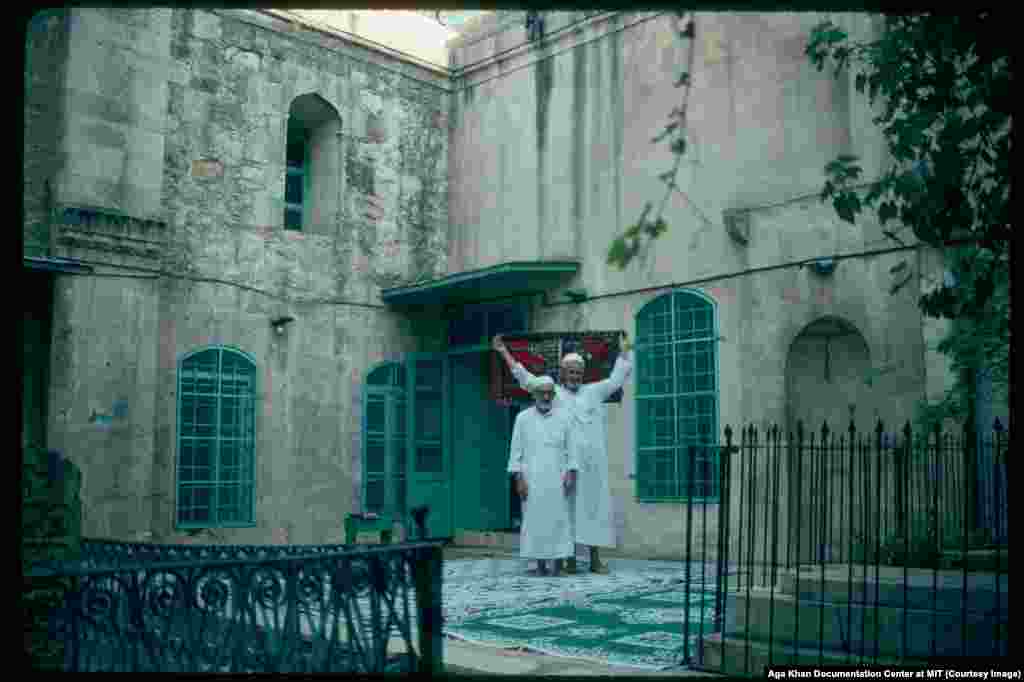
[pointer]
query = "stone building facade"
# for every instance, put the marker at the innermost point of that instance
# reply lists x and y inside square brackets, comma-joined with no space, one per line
[258,194]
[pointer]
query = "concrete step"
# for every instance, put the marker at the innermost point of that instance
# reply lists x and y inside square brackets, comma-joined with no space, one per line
[891,586]
[844,626]
[735,656]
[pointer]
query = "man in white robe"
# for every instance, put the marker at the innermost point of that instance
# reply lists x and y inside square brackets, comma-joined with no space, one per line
[592,505]
[544,464]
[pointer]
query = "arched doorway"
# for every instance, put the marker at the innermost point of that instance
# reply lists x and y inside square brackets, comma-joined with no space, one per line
[826,371]
[826,384]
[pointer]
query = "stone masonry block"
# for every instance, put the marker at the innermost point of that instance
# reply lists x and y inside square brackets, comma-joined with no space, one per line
[206,25]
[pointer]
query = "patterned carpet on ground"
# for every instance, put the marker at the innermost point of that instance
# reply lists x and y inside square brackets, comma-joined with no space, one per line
[631,617]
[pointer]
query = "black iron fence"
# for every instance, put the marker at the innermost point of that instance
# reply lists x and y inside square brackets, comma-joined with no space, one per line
[324,608]
[838,548]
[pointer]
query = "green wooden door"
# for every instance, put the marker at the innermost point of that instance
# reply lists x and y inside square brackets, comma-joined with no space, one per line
[479,436]
[384,443]
[428,464]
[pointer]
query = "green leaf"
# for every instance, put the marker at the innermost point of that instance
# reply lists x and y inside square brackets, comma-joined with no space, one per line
[617,253]
[656,229]
[860,81]
[679,145]
[887,211]
[847,205]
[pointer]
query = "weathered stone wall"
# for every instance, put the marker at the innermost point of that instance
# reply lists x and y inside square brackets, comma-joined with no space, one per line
[552,158]
[232,83]
[171,185]
[46,54]
[103,391]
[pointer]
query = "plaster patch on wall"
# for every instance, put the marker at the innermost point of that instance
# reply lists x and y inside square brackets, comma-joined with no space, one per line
[207,168]
[722,294]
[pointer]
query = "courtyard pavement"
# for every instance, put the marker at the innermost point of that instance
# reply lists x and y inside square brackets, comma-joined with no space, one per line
[467,658]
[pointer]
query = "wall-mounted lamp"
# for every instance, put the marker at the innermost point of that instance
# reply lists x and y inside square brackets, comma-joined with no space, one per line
[279,323]
[824,266]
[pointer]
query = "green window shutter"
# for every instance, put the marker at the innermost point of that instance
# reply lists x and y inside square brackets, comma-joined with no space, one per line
[677,399]
[384,442]
[375,451]
[216,439]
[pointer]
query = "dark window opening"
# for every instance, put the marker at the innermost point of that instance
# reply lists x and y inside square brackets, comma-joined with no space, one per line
[295,178]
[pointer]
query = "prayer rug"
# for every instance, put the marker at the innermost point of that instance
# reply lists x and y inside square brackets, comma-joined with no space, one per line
[474,586]
[642,628]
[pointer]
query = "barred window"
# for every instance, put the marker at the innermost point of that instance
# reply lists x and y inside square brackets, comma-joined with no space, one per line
[216,439]
[676,399]
[384,440]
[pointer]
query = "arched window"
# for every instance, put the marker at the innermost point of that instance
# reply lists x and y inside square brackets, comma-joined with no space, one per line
[676,399]
[313,166]
[216,439]
[384,440]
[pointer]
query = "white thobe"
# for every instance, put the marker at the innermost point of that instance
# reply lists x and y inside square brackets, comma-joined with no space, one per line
[591,508]
[543,450]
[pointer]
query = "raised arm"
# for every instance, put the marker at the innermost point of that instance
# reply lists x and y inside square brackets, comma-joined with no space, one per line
[620,372]
[519,373]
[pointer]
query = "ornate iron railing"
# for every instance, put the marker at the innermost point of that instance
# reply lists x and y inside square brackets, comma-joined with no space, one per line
[852,547]
[98,553]
[134,607]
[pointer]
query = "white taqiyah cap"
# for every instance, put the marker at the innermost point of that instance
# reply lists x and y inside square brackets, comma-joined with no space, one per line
[573,359]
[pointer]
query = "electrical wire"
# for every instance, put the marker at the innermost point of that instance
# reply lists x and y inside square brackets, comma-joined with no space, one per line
[158,274]
[733,275]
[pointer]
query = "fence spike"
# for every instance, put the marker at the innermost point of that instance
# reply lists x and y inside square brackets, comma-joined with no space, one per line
[852,429]
[799,431]
[824,431]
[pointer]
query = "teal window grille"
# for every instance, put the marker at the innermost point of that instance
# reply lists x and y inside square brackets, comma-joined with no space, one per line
[676,399]
[294,188]
[216,439]
[384,440]
[296,173]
